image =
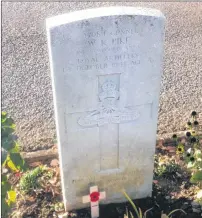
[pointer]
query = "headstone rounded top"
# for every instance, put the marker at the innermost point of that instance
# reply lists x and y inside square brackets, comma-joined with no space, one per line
[101,12]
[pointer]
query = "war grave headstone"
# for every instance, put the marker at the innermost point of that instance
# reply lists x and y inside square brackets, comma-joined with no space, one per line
[106,66]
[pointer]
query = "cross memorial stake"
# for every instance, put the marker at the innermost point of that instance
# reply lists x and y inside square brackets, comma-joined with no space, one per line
[94,198]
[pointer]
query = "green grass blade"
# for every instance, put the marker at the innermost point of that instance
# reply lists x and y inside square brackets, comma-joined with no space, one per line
[131,202]
[140,213]
[176,211]
[127,212]
[131,215]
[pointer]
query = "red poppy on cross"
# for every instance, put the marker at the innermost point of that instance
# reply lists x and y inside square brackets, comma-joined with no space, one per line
[94,198]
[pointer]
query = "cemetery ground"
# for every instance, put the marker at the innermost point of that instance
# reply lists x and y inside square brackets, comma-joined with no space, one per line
[35,191]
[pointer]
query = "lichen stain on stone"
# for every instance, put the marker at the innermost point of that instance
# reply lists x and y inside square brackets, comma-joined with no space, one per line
[111,183]
[132,178]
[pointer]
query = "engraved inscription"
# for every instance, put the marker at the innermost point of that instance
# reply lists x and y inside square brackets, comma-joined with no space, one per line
[108,61]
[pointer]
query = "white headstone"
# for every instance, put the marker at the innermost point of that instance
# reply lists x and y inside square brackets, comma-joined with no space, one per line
[106,66]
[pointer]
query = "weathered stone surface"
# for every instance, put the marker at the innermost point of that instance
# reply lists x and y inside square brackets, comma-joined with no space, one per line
[106,67]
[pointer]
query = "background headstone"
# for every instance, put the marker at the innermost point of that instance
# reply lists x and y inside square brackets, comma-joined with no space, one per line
[106,66]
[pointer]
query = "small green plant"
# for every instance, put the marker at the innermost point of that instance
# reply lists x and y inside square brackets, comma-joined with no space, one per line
[139,213]
[195,165]
[193,154]
[11,161]
[59,206]
[165,167]
[29,180]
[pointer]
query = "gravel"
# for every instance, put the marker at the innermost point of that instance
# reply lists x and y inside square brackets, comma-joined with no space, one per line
[26,83]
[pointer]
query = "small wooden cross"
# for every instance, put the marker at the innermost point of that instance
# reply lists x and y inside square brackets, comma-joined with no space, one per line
[94,198]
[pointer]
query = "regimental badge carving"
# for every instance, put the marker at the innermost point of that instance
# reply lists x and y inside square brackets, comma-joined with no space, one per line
[108,110]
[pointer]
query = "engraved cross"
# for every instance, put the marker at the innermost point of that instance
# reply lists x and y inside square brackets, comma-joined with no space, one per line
[107,117]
